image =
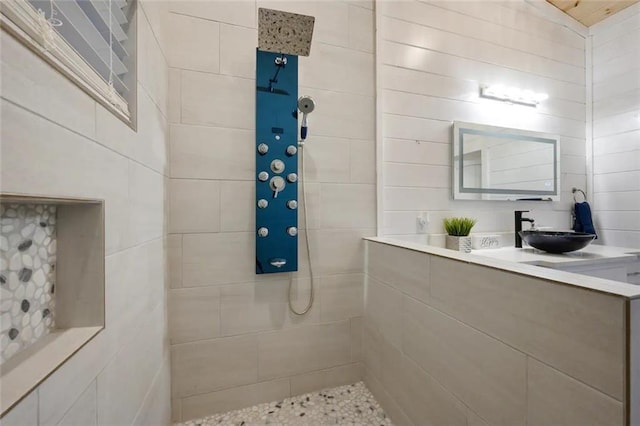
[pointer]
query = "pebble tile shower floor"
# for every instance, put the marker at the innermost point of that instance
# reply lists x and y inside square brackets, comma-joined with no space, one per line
[344,405]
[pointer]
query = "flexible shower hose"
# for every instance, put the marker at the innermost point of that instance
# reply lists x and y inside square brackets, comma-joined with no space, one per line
[306,237]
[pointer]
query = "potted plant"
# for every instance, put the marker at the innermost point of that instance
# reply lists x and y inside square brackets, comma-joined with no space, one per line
[458,229]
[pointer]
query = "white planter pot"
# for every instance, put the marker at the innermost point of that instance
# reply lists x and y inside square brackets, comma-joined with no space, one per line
[462,244]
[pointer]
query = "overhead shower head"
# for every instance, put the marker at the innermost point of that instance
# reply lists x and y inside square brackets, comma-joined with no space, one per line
[284,32]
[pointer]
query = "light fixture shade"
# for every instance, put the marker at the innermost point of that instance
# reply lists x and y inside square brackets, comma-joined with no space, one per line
[512,94]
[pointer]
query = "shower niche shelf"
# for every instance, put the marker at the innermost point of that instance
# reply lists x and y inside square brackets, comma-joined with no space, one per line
[52,286]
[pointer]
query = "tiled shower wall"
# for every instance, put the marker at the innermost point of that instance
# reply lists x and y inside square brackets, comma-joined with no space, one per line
[56,141]
[616,128]
[27,275]
[234,342]
[435,55]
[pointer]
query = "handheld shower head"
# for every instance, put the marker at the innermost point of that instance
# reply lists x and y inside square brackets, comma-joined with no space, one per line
[306,105]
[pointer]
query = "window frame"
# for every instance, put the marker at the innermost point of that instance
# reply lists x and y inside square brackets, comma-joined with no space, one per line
[69,69]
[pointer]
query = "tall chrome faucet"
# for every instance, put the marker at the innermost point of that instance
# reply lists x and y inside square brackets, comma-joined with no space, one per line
[518,222]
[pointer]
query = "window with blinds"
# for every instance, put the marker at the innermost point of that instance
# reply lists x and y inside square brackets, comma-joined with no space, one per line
[91,41]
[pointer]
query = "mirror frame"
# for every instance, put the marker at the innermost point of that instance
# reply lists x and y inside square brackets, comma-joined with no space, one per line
[460,128]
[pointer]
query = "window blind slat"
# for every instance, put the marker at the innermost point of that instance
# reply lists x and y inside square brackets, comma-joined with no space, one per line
[98,12]
[98,20]
[78,30]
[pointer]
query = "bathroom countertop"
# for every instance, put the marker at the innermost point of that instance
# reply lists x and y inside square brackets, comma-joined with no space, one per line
[531,267]
[590,255]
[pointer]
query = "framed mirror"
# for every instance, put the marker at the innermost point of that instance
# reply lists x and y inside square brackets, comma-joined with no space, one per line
[497,163]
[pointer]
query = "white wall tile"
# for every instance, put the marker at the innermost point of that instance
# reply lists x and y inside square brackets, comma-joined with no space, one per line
[362,156]
[252,307]
[217,100]
[152,71]
[33,84]
[174,113]
[84,411]
[332,377]
[303,349]
[174,260]
[211,365]
[146,203]
[601,365]
[383,310]
[341,297]
[194,205]
[616,146]
[25,413]
[194,314]
[319,70]
[194,43]
[210,259]
[237,51]
[361,20]
[199,406]
[212,153]
[492,381]
[237,206]
[156,408]
[326,159]
[64,164]
[228,11]
[407,271]
[419,395]
[341,206]
[549,392]
[124,382]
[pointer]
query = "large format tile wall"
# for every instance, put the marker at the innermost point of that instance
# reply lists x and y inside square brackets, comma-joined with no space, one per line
[452,343]
[57,141]
[616,127]
[433,56]
[233,341]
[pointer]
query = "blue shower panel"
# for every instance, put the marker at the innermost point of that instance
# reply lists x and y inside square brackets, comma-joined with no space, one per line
[276,127]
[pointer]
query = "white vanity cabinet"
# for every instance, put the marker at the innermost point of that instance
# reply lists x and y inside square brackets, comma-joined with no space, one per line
[633,273]
[623,270]
[612,263]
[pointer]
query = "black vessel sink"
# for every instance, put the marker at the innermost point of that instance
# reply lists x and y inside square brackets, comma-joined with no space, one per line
[557,241]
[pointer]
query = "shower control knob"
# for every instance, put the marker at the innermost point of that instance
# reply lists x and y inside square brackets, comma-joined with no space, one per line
[292,177]
[263,176]
[263,148]
[292,204]
[292,230]
[262,203]
[277,166]
[291,150]
[263,232]
[277,184]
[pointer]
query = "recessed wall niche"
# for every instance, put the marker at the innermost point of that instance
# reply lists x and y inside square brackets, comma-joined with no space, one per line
[51,286]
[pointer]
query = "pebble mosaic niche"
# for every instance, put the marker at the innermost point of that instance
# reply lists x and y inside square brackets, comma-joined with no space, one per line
[27,275]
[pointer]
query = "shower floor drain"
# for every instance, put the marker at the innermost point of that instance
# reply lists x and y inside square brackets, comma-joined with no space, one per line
[344,405]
